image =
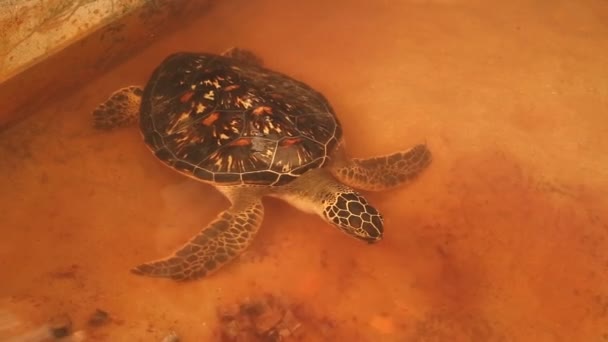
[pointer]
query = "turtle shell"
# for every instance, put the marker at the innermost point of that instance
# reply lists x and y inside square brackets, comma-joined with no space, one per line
[222,120]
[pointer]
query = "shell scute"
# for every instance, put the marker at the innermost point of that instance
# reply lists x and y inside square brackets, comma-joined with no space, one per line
[223,121]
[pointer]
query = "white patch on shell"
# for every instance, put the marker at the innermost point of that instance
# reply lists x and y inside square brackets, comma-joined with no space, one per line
[210,95]
[200,108]
[245,103]
[175,128]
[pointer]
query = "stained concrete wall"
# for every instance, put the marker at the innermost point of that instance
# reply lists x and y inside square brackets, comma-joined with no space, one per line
[42,41]
[33,29]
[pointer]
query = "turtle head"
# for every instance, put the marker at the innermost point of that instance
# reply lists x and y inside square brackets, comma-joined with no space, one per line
[350,212]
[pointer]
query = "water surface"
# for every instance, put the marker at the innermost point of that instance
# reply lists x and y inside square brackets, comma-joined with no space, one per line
[504,238]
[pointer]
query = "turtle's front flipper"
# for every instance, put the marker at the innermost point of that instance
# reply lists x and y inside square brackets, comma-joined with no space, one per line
[120,109]
[244,56]
[384,172]
[223,240]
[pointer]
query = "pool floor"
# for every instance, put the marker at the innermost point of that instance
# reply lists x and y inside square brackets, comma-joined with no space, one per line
[503,238]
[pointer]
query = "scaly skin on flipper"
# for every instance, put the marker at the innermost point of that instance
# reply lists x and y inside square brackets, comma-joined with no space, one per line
[119,110]
[384,172]
[220,242]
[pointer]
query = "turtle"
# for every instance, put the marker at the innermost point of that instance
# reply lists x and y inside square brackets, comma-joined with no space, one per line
[228,120]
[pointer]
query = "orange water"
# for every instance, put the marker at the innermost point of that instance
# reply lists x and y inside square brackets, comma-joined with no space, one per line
[504,238]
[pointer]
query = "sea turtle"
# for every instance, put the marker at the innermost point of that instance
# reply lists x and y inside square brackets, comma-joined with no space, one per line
[251,132]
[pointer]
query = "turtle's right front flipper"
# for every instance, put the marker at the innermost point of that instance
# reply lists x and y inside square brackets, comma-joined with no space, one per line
[220,242]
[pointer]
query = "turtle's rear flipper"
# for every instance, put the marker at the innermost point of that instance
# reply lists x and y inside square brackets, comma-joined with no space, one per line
[220,242]
[384,172]
[244,56]
[119,110]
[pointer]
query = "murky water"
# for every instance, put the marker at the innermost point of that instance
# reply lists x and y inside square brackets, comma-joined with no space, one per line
[504,238]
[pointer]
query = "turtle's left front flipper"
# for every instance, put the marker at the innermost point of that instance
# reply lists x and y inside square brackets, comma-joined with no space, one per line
[220,242]
[384,172]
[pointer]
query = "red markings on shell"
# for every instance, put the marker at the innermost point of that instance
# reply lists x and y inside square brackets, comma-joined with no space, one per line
[232,87]
[208,121]
[262,110]
[186,96]
[289,142]
[241,142]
